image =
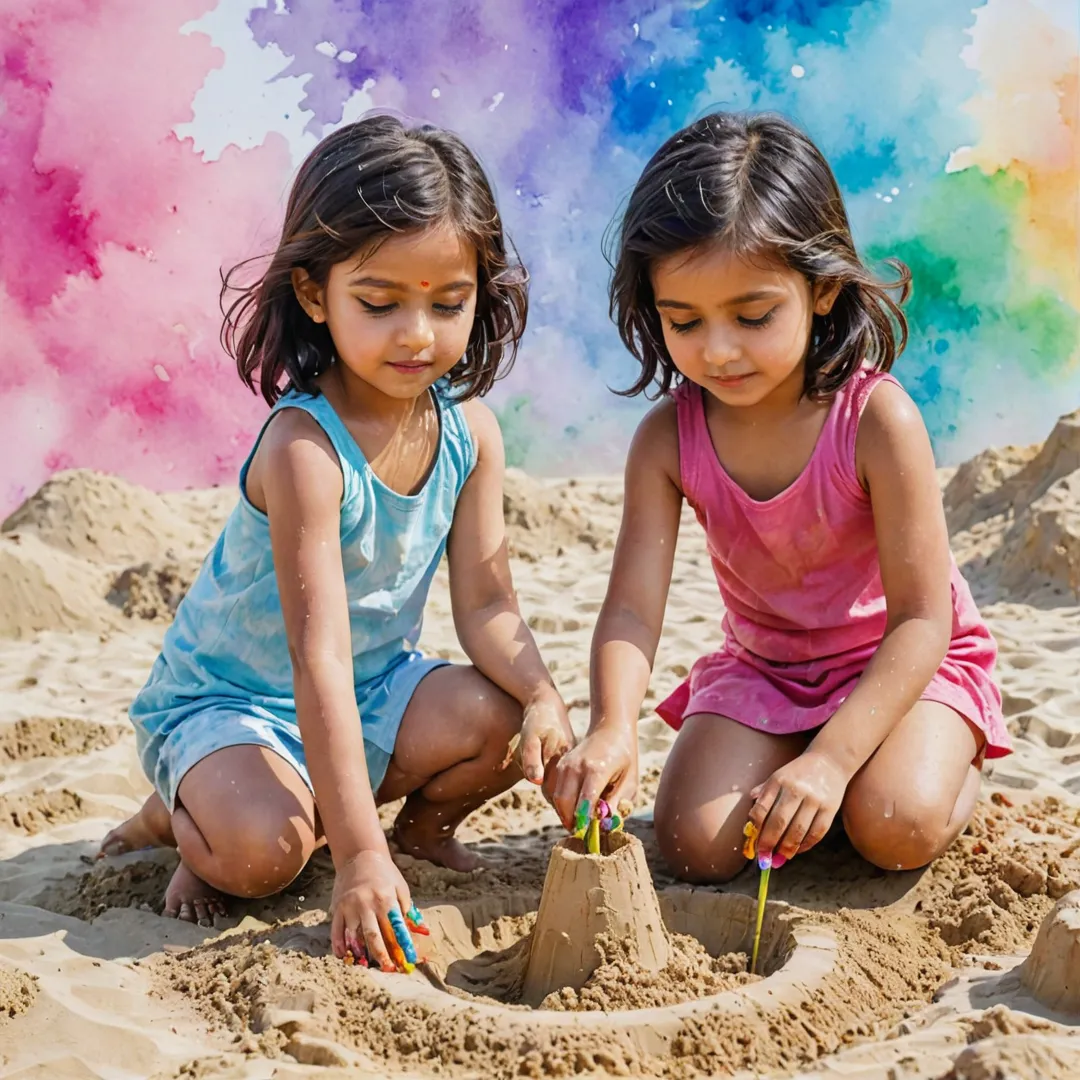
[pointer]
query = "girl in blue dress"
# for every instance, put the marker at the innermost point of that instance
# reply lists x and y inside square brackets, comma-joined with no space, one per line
[290,698]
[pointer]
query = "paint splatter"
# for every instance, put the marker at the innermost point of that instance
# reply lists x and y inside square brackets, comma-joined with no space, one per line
[144,148]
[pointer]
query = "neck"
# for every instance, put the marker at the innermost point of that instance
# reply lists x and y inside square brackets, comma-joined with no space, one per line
[360,398]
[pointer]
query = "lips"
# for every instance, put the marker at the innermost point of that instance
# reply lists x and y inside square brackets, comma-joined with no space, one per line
[410,367]
[731,380]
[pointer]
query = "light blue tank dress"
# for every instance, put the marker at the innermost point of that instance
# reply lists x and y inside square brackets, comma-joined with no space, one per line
[224,677]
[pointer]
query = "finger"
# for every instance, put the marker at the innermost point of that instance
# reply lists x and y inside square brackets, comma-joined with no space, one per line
[791,842]
[780,815]
[404,898]
[763,802]
[567,792]
[532,758]
[374,942]
[337,934]
[816,833]
[354,949]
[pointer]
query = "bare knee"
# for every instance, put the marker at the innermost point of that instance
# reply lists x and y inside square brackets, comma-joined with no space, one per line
[896,830]
[253,854]
[694,847]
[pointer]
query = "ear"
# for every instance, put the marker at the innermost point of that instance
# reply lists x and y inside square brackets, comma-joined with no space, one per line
[825,294]
[310,295]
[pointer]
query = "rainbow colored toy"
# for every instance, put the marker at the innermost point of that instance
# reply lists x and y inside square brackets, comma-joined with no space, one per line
[588,827]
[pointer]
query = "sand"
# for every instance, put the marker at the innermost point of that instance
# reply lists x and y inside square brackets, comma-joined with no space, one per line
[867,974]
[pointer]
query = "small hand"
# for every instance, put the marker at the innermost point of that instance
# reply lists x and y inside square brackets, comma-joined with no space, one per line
[795,807]
[545,735]
[603,765]
[366,889]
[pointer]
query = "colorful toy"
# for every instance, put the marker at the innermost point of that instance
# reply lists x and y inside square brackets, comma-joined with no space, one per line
[588,826]
[401,949]
[766,864]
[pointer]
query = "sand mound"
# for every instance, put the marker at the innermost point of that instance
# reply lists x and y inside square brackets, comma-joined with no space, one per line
[1019,1057]
[54,736]
[45,589]
[544,519]
[990,891]
[17,992]
[40,810]
[1014,519]
[151,592]
[1052,970]
[101,518]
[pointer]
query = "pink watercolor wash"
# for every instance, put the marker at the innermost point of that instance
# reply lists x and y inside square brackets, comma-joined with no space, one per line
[114,235]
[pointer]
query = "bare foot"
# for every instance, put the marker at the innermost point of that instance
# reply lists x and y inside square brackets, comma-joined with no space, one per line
[150,827]
[190,899]
[424,837]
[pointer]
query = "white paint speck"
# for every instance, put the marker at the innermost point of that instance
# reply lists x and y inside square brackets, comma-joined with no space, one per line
[637,30]
[161,373]
[798,70]
[895,191]
[346,56]
[327,48]
[886,198]
[496,101]
[436,92]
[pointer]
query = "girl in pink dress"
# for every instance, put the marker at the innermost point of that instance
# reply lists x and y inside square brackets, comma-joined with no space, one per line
[855,675]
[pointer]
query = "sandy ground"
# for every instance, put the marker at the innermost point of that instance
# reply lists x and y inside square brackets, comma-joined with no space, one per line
[918,974]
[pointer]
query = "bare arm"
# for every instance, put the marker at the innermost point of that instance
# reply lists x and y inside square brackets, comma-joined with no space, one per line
[486,615]
[300,481]
[897,467]
[630,622]
[797,804]
[632,617]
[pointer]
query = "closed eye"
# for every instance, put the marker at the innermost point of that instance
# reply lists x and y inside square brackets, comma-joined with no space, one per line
[376,309]
[448,309]
[683,327]
[763,321]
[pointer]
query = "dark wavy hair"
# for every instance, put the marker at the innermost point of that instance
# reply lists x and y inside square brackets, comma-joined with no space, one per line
[364,183]
[758,185]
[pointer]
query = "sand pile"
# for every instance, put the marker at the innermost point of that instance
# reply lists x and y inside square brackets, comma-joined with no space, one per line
[17,993]
[1052,971]
[54,736]
[544,519]
[1015,516]
[88,551]
[992,889]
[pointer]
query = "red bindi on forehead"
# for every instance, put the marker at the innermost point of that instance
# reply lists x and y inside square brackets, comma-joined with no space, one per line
[425,284]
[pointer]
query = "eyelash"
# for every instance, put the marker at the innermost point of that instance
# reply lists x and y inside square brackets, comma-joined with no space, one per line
[385,309]
[750,324]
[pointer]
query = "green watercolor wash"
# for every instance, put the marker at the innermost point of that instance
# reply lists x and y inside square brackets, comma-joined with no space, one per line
[972,283]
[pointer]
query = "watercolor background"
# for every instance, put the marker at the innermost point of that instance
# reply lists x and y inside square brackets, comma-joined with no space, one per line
[143,146]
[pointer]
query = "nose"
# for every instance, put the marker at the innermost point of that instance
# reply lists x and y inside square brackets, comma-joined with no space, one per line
[719,348]
[416,333]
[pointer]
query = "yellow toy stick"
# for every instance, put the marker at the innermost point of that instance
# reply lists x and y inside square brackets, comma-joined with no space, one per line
[762,892]
[592,839]
[765,865]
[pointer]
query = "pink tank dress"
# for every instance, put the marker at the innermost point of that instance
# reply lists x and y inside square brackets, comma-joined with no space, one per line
[801,584]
